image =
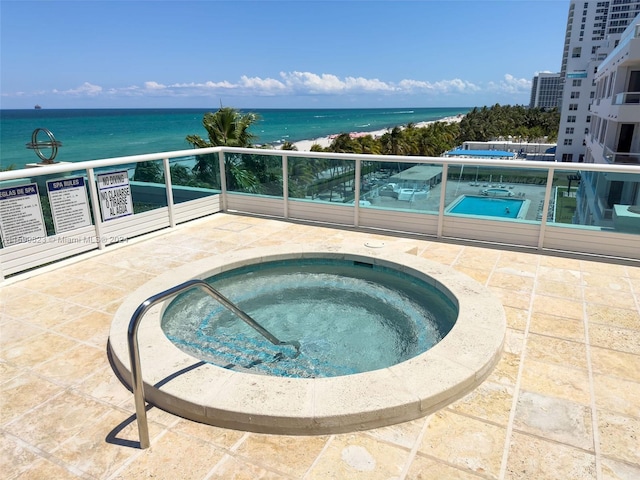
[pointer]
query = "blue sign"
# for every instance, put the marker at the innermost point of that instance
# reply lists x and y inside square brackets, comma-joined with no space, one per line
[55,185]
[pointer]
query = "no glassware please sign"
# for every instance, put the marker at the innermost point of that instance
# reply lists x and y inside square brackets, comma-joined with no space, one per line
[115,195]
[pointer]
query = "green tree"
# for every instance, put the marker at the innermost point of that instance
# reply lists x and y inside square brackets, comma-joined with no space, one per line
[181,175]
[501,121]
[226,127]
[393,143]
[343,143]
[148,172]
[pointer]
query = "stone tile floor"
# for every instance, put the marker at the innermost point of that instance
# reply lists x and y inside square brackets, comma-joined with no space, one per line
[563,403]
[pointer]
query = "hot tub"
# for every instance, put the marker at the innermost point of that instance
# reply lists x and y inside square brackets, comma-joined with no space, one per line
[192,388]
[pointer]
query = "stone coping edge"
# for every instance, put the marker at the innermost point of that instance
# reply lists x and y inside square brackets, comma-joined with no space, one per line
[185,386]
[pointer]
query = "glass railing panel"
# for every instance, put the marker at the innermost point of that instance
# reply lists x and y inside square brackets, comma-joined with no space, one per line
[513,194]
[190,180]
[401,186]
[256,174]
[621,157]
[321,179]
[148,190]
[604,201]
[563,204]
[627,98]
[201,171]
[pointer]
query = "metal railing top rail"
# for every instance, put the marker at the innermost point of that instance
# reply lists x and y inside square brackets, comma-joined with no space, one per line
[115,161]
[100,163]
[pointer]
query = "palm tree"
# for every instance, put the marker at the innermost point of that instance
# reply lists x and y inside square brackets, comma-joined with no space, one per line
[393,142]
[226,127]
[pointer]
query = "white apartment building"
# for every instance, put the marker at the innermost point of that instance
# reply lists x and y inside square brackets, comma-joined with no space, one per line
[593,31]
[615,111]
[614,138]
[545,89]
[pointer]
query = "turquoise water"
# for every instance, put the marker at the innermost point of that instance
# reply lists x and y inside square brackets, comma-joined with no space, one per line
[103,133]
[348,318]
[488,206]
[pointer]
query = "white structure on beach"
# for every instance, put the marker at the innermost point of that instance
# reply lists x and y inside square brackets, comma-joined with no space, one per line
[545,90]
[593,31]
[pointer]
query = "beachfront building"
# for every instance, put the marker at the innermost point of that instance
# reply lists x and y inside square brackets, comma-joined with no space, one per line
[545,90]
[614,136]
[593,31]
[523,150]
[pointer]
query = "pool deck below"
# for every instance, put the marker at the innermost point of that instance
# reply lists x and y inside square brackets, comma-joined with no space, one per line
[562,403]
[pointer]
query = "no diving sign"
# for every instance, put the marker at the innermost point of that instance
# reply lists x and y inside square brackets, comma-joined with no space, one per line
[114,192]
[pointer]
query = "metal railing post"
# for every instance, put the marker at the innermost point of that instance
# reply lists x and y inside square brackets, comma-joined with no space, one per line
[356,191]
[285,185]
[443,199]
[223,180]
[169,187]
[95,207]
[545,208]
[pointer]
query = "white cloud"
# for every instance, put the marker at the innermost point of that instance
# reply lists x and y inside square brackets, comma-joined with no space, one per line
[297,83]
[154,86]
[443,86]
[307,83]
[86,89]
[262,86]
[511,85]
[203,86]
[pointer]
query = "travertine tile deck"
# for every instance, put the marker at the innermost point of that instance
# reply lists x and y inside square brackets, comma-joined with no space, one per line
[564,402]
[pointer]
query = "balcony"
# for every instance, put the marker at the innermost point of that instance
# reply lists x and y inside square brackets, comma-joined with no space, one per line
[627,98]
[625,158]
[561,403]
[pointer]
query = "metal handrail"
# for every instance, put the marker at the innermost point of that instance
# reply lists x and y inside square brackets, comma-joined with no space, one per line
[137,383]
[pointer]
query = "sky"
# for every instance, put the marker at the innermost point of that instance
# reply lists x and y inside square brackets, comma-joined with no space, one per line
[276,54]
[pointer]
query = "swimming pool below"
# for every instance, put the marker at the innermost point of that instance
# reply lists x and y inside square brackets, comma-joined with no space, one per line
[489,206]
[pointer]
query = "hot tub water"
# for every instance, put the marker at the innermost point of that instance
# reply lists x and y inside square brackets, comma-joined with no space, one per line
[349,317]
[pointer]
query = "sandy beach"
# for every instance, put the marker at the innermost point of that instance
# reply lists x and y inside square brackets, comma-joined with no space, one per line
[324,142]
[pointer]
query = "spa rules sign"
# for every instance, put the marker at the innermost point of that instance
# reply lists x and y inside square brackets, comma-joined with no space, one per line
[69,204]
[114,192]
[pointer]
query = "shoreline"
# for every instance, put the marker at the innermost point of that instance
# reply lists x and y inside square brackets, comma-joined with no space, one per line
[324,142]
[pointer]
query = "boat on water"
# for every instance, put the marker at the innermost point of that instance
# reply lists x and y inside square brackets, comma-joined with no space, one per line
[38,107]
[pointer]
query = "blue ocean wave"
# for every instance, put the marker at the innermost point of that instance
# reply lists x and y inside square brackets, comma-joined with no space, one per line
[90,134]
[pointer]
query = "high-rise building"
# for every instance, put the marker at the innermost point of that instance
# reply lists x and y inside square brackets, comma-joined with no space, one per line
[615,110]
[604,198]
[593,31]
[545,90]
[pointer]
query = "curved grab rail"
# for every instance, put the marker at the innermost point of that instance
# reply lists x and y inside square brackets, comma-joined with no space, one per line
[134,351]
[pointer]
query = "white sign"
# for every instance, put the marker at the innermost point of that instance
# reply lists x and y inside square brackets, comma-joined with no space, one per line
[21,215]
[115,195]
[69,204]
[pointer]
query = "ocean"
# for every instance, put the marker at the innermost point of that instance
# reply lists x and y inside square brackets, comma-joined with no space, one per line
[91,134]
